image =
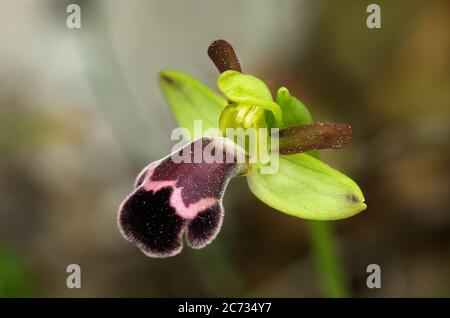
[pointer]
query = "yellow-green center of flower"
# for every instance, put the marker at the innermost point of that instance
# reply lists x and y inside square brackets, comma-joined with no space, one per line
[242,116]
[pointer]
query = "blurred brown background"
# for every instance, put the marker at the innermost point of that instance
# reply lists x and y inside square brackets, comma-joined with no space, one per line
[81,113]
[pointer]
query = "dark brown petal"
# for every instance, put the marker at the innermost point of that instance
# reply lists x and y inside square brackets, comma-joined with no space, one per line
[223,56]
[311,137]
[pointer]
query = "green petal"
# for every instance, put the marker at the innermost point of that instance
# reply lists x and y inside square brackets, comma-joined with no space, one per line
[249,90]
[235,86]
[190,100]
[307,188]
[294,111]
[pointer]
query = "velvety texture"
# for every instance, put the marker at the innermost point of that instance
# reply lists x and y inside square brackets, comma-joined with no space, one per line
[174,198]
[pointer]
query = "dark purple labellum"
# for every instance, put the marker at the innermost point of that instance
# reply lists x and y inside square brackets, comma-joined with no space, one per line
[172,198]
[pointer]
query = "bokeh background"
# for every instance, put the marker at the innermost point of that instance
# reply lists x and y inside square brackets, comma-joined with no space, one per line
[81,114]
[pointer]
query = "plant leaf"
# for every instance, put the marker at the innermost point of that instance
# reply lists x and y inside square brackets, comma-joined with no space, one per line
[306,187]
[190,100]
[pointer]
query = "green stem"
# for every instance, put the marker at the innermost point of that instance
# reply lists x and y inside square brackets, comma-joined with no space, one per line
[327,259]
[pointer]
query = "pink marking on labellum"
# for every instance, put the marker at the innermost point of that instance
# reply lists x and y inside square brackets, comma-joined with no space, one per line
[144,172]
[189,211]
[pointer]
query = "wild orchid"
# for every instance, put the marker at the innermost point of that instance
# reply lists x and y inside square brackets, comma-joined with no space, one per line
[181,195]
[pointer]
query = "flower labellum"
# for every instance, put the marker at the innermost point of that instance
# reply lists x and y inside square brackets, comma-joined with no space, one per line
[172,198]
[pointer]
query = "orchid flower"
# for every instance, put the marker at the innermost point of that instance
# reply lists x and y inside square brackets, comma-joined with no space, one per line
[173,199]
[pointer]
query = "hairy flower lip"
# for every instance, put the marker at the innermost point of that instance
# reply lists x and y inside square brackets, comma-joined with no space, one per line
[175,199]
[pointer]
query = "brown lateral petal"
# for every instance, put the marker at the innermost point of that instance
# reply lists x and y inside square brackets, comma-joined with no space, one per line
[223,56]
[312,137]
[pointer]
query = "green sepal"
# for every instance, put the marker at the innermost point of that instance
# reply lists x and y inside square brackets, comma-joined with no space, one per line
[304,186]
[307,188]
[189,99]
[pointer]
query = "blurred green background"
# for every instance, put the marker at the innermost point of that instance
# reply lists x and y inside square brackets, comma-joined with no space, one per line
[81,113]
